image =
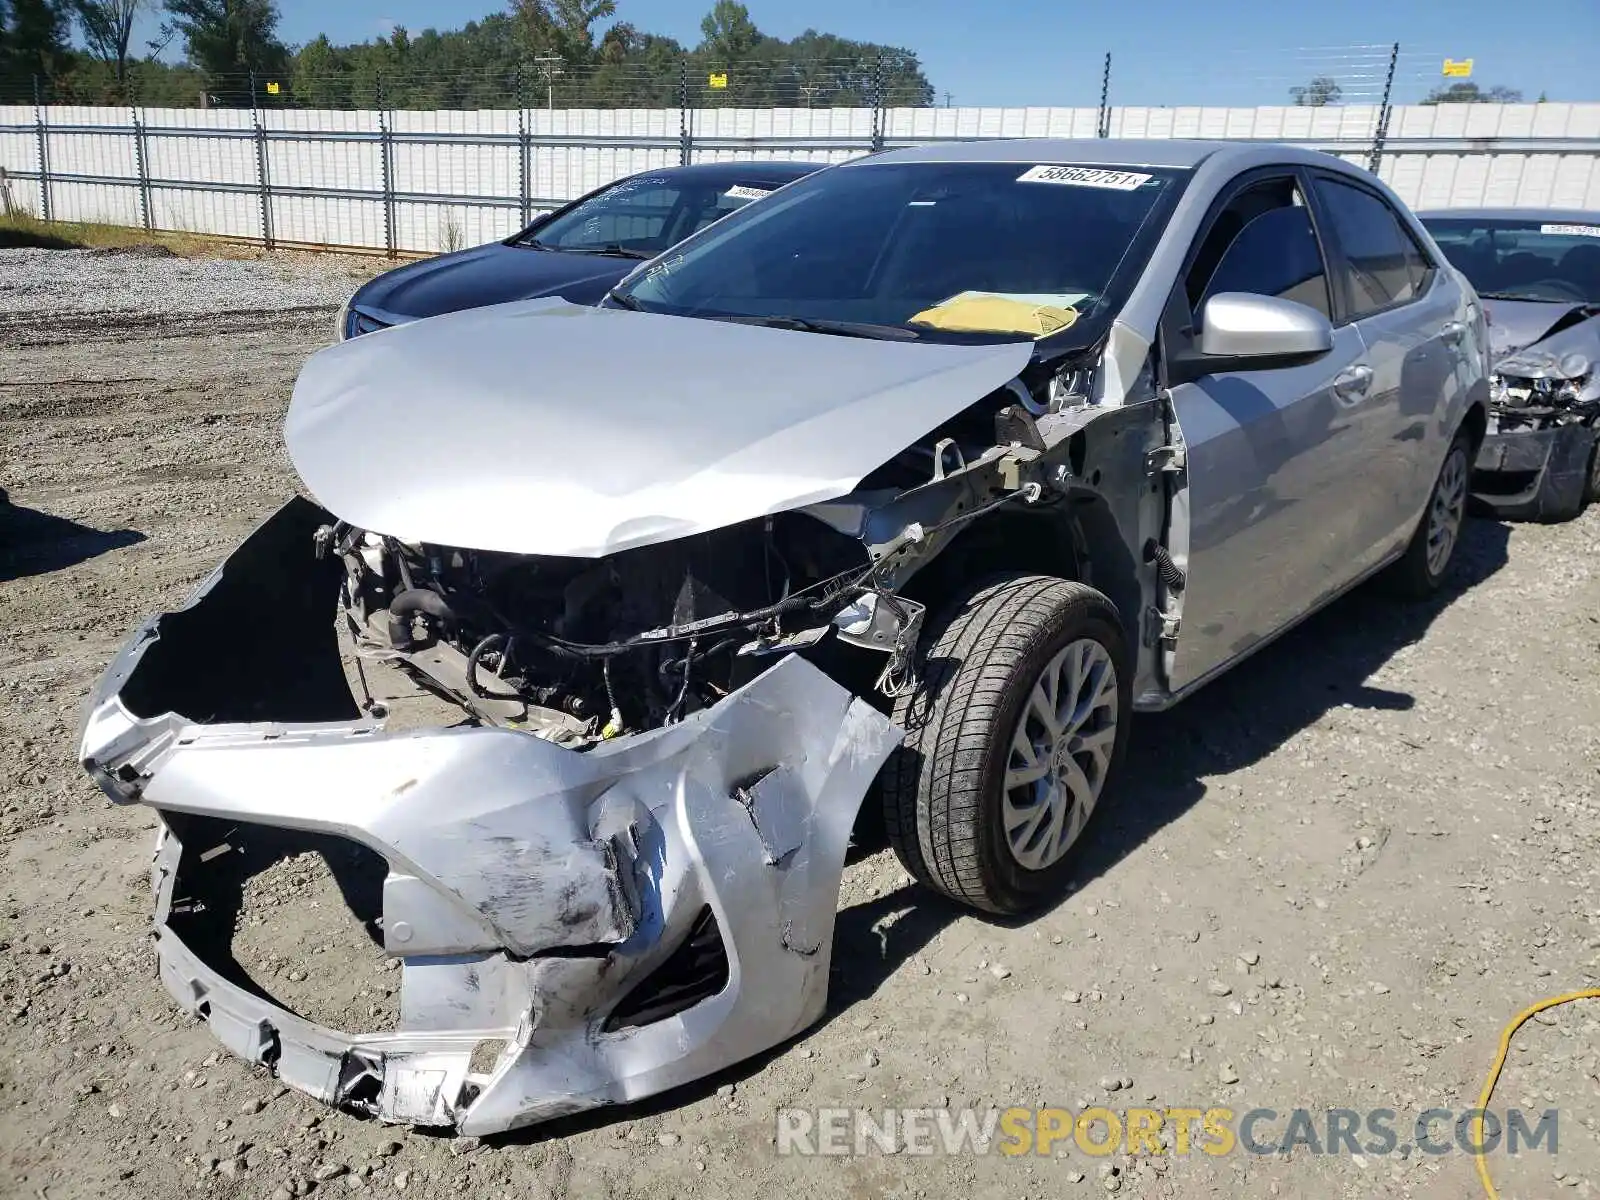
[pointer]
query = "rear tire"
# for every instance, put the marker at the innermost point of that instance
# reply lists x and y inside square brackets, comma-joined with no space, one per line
[1026,679]
[1423,568]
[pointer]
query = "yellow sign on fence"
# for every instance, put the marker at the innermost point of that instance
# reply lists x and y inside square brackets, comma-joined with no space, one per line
[1461,68]
[272,88]
[718,80]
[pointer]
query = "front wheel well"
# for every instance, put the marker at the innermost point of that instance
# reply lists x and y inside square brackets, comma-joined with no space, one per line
[1076,538]
[1020,542]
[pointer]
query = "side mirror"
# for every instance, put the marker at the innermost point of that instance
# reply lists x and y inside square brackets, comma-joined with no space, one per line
[1240,331]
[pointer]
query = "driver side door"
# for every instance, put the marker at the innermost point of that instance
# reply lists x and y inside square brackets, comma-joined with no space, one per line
[1274,515]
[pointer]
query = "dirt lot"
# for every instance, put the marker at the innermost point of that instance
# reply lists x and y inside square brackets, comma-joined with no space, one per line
[1326,883]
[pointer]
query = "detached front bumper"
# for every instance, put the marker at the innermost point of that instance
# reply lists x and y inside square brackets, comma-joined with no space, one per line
[1534,474]
[575,928]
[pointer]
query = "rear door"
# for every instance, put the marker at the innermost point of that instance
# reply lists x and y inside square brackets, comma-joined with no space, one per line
[1271,454]
[1408,312]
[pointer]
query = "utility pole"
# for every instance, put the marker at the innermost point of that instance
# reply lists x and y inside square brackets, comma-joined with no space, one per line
[685,116]
[549,66]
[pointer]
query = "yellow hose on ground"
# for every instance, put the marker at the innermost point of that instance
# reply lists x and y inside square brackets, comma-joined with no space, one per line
[1517,1022]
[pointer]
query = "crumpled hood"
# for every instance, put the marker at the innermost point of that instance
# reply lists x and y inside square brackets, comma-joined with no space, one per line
[492,274]
[546,428]
[1517,324]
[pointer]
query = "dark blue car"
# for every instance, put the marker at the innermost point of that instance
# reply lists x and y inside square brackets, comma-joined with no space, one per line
[578,252]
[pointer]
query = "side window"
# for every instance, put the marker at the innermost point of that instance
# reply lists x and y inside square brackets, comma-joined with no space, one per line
[1384,265]
[1262,242]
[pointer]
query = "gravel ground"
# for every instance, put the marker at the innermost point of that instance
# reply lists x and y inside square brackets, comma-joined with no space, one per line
[153,280]
[1326,883]
[319,960]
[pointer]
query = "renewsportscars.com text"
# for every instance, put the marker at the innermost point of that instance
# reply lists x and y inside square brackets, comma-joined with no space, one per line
[1216,1131]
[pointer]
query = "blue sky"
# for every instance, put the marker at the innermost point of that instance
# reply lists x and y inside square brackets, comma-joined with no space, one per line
[1164,51]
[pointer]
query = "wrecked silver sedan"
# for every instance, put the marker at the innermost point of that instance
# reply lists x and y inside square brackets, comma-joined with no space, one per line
[1537,272]
[888,499]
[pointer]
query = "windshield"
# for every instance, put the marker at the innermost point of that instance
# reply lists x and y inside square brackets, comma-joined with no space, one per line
[949,251]
[1523,259]
[644,215]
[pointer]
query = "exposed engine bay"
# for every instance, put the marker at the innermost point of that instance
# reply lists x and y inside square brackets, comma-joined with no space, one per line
[579,651]
[1536,389]
[1539,458]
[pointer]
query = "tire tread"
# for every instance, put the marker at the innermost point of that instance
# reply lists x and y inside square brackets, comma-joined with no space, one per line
[933,786]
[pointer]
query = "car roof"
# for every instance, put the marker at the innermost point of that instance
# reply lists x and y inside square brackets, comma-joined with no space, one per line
[1178,153]
[767,169]
[1568,216]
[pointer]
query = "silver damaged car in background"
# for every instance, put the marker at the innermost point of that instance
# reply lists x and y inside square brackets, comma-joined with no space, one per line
[1538,273]
[886,500]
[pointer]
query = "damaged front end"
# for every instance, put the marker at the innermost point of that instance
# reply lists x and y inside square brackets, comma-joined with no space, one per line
[1538,460]
[583,916]
[582,737]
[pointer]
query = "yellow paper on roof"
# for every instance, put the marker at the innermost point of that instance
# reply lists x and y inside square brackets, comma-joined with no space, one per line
[978,313]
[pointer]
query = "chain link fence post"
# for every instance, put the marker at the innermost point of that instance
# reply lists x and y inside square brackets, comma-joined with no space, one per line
[45,207]
[685,120]
[386,157]
[1102,126]
[1381,135]
[880,113]
[524,148]
[141,163]
[263,179]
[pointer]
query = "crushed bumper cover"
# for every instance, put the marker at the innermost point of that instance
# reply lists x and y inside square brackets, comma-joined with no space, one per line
[1533,475]
[543,900]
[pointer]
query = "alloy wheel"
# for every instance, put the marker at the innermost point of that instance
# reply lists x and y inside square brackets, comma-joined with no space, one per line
[1446,511]
[1060,753]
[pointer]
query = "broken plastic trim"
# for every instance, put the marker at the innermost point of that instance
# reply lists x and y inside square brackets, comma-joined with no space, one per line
[505,851]
[360,1085]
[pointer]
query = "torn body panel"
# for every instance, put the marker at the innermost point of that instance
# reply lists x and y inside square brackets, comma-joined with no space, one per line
[1537,473]
[531,888]
[1079,494]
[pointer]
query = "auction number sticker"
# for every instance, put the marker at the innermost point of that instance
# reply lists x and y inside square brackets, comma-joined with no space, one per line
[1120,181]
[740,192]
[1572,230]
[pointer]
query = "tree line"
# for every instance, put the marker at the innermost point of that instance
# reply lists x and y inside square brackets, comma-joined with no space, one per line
[565,53]
[1325,89]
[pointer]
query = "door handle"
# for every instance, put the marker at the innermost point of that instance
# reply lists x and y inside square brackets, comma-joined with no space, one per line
[1353,383]
[1452,332]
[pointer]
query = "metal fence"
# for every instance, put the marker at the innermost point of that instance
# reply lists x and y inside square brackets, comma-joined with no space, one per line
[371,77]
[407,181]
[489,67]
